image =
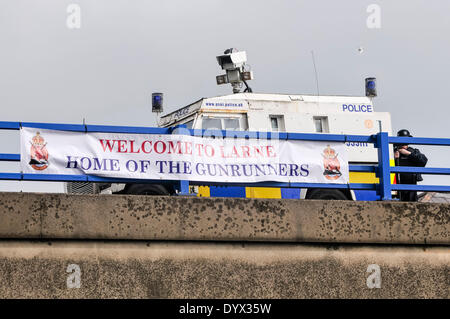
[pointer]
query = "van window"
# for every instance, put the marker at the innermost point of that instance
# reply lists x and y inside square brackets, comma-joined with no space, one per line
[209,123]
[318,125]
[277,123]
[321,124]
[274,123]
[189,124]
[232,123]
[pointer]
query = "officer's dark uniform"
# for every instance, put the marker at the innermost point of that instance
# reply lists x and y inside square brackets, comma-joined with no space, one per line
[417,159]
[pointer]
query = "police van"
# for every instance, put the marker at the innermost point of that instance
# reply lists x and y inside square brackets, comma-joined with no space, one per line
[248,111]
[290,113]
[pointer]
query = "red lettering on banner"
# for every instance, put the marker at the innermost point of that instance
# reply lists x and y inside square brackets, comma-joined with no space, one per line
[222,152]
[258,151]
[245,151]
[188,148]
[270,150]
[175,148]
[121,147]
[108,144]
[209,151]
[132,147]
[143,147]
[234,152]
[163,147]
[199,149]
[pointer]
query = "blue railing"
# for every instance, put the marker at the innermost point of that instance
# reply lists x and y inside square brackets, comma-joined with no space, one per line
[381,141]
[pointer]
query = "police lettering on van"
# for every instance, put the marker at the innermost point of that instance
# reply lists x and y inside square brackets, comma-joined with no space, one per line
[357,108]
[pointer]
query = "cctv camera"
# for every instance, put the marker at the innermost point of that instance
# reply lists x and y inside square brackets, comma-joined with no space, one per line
[232,60]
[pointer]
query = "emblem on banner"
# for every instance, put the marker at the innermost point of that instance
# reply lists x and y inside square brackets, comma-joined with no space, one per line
[331,164]
[38,152]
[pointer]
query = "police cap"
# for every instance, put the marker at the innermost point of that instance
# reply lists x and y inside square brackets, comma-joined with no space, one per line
[404,133]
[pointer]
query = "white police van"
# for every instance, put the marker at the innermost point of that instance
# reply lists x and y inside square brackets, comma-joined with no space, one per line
[290,113]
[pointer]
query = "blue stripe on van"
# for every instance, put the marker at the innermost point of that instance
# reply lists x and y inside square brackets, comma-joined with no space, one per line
[224,191]
[366,195]
[290,193]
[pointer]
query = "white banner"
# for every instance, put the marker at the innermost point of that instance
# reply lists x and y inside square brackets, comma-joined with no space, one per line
[182,157]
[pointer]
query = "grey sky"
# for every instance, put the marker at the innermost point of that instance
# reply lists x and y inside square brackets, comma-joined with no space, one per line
[106,70]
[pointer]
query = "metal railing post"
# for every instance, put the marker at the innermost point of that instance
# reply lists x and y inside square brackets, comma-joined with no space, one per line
[383,170]
[183,185]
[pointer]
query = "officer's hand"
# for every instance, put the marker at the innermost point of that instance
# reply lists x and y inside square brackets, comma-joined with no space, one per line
[396,154]
[404,152]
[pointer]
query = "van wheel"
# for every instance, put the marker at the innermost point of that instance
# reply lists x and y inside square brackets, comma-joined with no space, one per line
[326,194]
[147,189]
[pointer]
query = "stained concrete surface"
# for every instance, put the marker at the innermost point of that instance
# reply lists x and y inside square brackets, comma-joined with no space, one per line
[220,270]
[244,248]
[53,216]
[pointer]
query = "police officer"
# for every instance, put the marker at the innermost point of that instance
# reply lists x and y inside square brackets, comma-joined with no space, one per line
[408,156]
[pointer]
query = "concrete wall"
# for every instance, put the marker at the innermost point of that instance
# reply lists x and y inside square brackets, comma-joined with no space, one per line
[220,270]
[52,216]
[244,248]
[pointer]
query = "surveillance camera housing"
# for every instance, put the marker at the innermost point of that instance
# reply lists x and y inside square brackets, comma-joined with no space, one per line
[233,60]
